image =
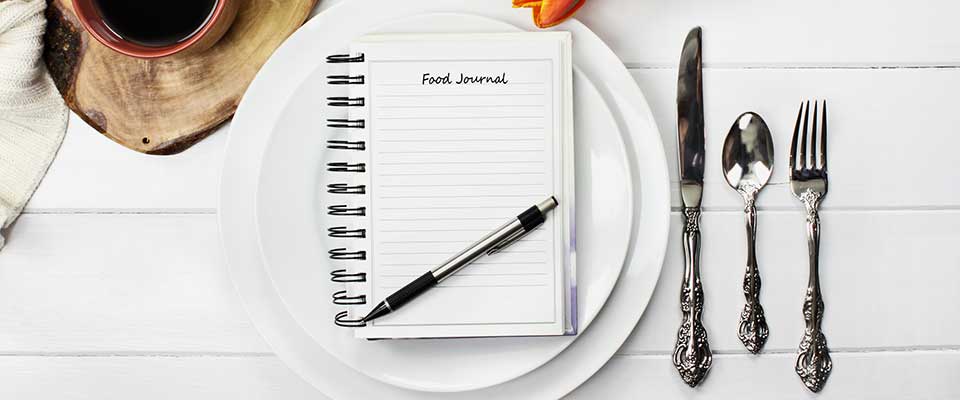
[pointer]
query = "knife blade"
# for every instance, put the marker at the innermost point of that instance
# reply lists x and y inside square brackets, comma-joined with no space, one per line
[690,137]
[691,356]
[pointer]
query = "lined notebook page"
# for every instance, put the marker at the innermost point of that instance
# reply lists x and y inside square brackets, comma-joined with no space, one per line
[458,146]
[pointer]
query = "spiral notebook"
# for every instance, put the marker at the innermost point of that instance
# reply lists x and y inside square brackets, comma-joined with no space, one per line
[437,140]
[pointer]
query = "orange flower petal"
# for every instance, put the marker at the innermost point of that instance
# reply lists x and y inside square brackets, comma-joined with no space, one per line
[547,13]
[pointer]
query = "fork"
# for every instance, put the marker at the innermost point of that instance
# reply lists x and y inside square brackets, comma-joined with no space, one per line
[808,181]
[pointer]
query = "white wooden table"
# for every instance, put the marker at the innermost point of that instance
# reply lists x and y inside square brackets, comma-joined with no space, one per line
[112,285]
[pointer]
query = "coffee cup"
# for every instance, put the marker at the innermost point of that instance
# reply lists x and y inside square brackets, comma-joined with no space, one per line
[156,28]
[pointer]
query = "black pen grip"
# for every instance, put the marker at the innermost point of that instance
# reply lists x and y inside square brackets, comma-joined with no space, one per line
[412,290]
[531,218]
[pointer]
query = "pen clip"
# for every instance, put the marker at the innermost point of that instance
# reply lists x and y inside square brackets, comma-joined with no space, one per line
[507,241]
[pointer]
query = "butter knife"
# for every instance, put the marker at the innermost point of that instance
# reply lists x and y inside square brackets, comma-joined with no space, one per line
[692,355]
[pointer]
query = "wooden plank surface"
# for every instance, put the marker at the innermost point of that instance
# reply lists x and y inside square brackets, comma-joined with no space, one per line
[813,33]
[112,285]
[92,173]
[150,378]
[875,376]
[879,143]
[102,284]
[883,275]
[875,138]
[155,283]
[159,287]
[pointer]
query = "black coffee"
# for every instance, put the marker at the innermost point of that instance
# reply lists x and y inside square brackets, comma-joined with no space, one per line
[155,23]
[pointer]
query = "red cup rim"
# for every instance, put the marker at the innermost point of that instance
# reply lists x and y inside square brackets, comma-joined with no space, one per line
[135,50]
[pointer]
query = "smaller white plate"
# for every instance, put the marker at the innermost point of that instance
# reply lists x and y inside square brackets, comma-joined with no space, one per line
[292,224]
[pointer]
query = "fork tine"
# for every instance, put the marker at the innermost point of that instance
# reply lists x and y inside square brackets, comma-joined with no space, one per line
[823,139]
[804,165]
[793,143]
[813,136]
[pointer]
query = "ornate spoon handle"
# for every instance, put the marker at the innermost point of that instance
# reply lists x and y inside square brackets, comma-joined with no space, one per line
[753,330]
[692,355]
[813,362]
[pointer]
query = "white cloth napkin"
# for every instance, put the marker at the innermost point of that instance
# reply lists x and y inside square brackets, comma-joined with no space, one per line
[33,117]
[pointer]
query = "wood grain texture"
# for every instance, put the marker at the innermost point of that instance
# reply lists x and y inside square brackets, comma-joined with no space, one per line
[166,105]
[875,376]
[155,283]
[780,33]
[107,284]
[151,378]
[891,375]
[868,126]
[878,141]
[92,173]
[115,304]
[884,274]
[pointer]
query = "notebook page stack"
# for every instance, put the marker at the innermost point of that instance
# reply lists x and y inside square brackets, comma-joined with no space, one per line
[462,133]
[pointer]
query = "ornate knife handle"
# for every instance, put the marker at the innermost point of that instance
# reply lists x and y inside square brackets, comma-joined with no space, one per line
[692,355]
[813,362]
[753,330]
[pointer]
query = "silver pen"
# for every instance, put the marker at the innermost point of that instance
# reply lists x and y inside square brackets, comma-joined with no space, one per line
[493,242]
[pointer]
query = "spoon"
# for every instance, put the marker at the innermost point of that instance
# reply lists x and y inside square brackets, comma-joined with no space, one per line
[747,164]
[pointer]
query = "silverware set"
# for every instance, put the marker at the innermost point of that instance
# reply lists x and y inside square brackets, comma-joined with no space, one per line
[747,161]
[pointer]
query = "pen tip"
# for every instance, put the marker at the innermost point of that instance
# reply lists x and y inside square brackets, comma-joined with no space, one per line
[367,318]
[377,312]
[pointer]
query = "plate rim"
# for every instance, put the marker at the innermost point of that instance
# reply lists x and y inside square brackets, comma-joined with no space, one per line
[255,295]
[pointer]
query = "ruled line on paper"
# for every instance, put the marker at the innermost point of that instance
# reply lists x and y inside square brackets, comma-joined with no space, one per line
[432,230]
[475,128]
[449,106]
[394,96]
[460,140]
[447,151]
[451,219]
[428,185]
[457,162]
[448,208]
[456,196]
[497,285]
[442,230]
[502,217]
[467,117]
[460,173]
[461,274]
[459,134]
[441,253]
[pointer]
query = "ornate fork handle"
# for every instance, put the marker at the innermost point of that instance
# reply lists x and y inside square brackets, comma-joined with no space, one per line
[753,330]
[692,355]
[813,362]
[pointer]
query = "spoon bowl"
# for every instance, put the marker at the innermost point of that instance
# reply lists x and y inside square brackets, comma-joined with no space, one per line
[748,153]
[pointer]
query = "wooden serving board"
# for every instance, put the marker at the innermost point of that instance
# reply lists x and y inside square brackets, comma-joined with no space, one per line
[164,106]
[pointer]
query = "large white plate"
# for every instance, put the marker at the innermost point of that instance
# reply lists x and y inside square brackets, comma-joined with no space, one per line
[258,115]
[292,223]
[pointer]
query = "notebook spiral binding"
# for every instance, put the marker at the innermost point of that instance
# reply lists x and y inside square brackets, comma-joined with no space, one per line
[343,256]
